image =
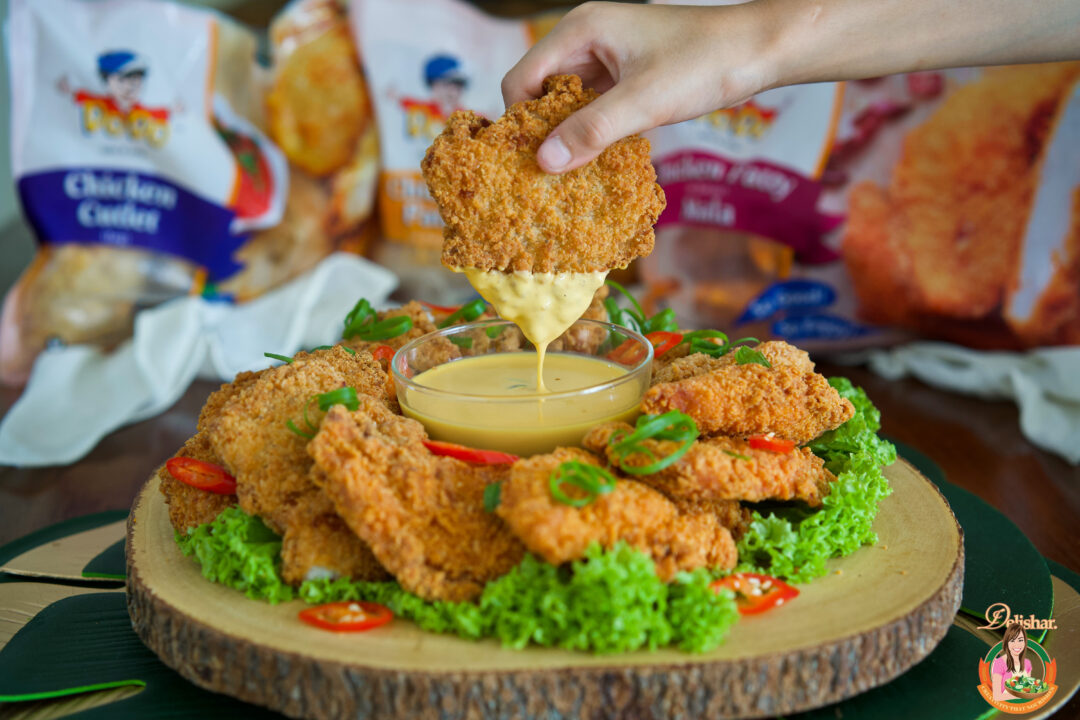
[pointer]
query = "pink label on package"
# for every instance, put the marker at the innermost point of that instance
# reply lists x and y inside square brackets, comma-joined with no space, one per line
[754,196]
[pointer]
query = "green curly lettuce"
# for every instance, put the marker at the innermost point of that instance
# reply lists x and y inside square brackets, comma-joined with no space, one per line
[609,601]
[794,543]
[239,551]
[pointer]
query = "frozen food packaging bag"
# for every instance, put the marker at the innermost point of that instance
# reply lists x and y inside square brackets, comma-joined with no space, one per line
[423,60]
[844,215]
[145,147]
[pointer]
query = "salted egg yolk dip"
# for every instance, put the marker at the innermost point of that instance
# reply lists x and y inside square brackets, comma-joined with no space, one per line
[492,401]
[543,305]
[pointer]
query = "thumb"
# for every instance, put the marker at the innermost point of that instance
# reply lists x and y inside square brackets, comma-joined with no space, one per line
[586,133]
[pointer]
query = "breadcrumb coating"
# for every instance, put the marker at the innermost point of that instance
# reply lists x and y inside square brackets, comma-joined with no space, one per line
[271,464]
[725,398]
[642,517]
[502,212]
[723,468]
[423,515]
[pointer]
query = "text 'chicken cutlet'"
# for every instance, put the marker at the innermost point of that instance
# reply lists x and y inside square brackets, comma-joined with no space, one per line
[423,515]
[503,213]
[269,460]
[634,513]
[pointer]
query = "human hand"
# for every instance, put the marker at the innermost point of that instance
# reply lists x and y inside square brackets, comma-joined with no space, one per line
[653,64]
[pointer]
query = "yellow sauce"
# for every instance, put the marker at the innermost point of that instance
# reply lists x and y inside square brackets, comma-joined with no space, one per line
[543,305]
[496,404]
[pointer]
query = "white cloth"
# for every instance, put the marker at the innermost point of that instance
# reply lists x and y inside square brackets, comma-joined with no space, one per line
[1044,383]
[79,394]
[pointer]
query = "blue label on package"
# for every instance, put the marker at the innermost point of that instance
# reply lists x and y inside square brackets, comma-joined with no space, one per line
[130,209]
[818,327]
[797,295]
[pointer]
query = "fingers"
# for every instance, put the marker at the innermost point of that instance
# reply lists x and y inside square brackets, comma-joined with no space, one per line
[563,50]
[584,135]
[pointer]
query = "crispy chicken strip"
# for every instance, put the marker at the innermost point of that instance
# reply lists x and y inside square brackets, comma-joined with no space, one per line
[723,468]
[725,398]
[272,467]
[423,515]
[634,513]
[777,352]
[502,212]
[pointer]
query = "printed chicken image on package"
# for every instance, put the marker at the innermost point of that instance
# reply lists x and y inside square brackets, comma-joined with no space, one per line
[145,147]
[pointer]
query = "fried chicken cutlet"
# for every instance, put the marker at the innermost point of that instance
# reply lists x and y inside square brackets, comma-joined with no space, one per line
[423,515]
[725,398]
[272,468]
[723,468]
[189,506]
[502,212]
[677,539]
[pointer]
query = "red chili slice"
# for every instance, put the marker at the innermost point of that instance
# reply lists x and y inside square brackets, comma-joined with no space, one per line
[382,352]
[441,309]
[771,443]
[663,341]
[468,454]
[754,593]
[203,475]
[628,353]
[347,616]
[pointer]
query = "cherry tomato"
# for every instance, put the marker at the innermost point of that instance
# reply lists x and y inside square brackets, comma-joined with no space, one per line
[203,475]
[347,616]
[468,454]
[754,593]
[771,443]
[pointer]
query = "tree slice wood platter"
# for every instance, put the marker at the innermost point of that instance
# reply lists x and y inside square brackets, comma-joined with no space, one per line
[877,613]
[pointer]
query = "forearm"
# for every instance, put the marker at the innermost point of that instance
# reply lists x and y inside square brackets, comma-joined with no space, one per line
[821,40]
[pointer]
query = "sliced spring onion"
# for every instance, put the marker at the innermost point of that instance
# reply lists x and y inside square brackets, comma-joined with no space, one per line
[462,342]
[292,426]
[492,496]
[736,455]
[745,355]
[361,322]
[342,396]
[673,426]
[274,356]
[594,480]
[467,312]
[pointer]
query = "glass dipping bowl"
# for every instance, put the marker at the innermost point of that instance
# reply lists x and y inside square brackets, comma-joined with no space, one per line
[528,422]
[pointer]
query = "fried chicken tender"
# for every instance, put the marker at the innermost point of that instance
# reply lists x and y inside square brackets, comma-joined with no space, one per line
[423,515]
[777,352]
[189,506]
[725,398]
[502,212]
[729,513]
[677,540]
[271,464]
[941,241]
[723,468]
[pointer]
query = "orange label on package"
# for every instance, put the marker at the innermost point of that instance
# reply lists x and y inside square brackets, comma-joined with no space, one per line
[409,214]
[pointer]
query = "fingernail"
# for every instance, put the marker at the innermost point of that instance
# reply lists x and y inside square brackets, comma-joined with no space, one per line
[553,153]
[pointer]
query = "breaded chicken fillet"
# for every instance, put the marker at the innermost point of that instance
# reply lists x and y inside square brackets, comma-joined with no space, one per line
[423,515]
[725,398]
[722,468]
[272,467]
[642,517]
[502,212]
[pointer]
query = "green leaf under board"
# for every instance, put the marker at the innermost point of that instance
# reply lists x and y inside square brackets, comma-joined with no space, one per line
[109,564]
[1001,564]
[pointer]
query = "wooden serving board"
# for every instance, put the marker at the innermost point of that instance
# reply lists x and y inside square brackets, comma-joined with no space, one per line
[877,613]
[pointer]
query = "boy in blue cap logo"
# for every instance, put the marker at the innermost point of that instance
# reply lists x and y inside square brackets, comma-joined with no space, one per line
[447,81]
